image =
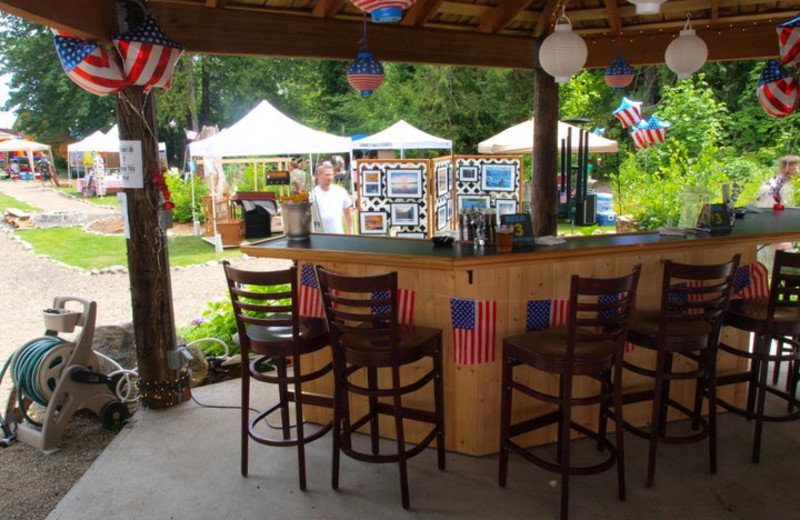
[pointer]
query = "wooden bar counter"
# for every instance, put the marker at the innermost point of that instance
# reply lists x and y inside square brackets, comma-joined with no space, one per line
[472,392]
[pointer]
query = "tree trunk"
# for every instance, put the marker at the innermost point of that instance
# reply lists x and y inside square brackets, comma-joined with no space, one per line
[544,196]
[205,101]
[192,93]
[148,258]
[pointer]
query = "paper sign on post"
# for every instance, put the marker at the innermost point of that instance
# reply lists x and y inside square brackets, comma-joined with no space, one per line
[130,164]
[122,197]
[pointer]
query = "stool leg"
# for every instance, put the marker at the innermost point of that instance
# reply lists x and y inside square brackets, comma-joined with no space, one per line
[339,410]
[298,412]
[620,428]
[602,425]
[710,383]
[438,397]
[401,441]
[755,370]
[505,419]
[283,396]
[655,426]
[761,398]
[245,419]
[664,404]
[374,432]
[564,441]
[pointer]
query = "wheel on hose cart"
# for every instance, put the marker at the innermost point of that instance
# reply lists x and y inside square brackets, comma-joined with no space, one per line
[113,415]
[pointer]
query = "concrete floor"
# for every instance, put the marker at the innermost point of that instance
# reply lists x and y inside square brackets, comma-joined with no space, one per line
[184,464]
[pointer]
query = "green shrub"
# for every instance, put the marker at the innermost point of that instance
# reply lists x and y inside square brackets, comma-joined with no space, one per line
[182,196]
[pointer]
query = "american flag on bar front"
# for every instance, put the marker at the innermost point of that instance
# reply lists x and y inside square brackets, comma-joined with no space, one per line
[543,314]
[605,313]
[405,305]
[474,330]
[88,65]
[751,281]
[148,57]
[310,304]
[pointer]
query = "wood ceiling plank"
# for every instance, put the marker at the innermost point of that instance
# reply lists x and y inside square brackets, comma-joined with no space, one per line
[614,21]
[216,4]
[327,8]
[84,18]
[714,10]
[502,15]
[549,13]
[421,12]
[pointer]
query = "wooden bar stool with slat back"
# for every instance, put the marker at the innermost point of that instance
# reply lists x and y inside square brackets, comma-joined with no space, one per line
[590,345]
[265,305]
[694,299]
[774,319]
[367,338]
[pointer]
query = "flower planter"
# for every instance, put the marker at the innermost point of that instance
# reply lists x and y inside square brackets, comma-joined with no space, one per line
[60,320]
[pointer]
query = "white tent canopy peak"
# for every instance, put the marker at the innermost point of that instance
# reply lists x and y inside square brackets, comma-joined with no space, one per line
[519,140]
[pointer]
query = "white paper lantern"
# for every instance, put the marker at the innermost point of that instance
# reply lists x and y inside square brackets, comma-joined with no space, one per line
[647,6]
[563,53]
[687,53]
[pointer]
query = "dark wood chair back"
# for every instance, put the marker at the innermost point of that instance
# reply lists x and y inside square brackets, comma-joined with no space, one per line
[784,291]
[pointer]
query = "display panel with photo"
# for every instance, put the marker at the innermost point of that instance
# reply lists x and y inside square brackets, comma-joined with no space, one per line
[505,207]
[450,209]
[468,173]
[405,214]
[373,223]
[404,184]
[371,183]
[410,235]
[441,216]
[473,202]
[441,180]
[449,177]
[497,177]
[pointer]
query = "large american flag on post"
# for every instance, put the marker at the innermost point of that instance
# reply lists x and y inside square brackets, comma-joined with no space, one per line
[148,57]
[405,305]
[474,329]
[88,65]
[751,281]
[789,41]
[310,304]
[543,314]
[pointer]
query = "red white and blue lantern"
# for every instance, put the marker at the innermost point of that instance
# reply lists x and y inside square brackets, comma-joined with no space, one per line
[629,112]
[777,90]
[384,11]
[789,41]
[365,73]
[619,74]
[88,65]
[148,57]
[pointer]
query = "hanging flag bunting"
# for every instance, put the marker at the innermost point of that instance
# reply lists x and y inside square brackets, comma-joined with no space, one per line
[148,57]
[543,314]
[88,65]
[777,90]
[619,74]
[629,112]
[751,282]
[405,305]
[474,328]
[384,11]
[789,41]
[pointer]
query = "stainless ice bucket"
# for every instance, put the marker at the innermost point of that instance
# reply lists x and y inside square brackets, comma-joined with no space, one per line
[296,220]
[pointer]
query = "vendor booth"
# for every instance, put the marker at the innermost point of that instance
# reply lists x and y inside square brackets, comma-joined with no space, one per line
[27,149]
[518,139]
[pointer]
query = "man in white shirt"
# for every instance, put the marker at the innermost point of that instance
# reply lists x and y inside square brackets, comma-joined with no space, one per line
[778,190]
[332,202]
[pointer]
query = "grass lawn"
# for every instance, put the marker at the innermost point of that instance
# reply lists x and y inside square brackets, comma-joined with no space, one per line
[73,246]
[10,202]
[106,200]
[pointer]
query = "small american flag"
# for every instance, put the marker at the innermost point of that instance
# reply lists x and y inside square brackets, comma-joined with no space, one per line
[405,305]
[310,297]
[789,41]
[543,314]
[777,90]
[751,281]
[88,65]
[474,329]
[148,57]
[629,112]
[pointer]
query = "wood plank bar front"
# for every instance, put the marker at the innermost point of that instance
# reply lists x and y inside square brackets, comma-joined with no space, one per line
[472,392]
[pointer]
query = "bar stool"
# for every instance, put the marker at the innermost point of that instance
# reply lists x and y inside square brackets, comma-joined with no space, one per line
[268,324]
[774,319]
[693,302]
[590,345]
[367,337]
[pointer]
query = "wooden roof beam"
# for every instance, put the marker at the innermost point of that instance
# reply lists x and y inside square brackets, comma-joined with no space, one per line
[549,13]
[502,15]
[84,18]
[327,8]
[614,20]
[216,4]
[421,12]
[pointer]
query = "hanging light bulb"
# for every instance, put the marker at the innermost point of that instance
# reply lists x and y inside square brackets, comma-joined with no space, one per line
[384,11]
[647,6]
[563,53]
[365,73]
[686,53]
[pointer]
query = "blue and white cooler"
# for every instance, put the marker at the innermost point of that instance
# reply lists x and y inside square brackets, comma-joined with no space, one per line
[605,209]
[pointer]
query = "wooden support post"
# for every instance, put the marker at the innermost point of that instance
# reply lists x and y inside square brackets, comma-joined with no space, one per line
[544,196]
[148,258]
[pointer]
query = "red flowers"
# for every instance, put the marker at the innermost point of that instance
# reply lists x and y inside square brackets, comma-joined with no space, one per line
[160,181]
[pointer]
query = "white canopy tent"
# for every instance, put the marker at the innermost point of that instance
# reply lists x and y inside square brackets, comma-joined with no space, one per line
[29,147]
[402,136]
[97,142]
[519,140]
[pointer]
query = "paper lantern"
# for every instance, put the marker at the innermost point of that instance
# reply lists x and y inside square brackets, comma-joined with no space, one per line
[88,65]
[777,90]
[384,11]
[789,41]
[686,53]
[563,53]
[619,74]
[148,57]
[647,6]
[629,112]
[365,73]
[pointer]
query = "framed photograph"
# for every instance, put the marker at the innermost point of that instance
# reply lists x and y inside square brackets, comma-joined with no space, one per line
[402,234]
[441,180]
[449,177]
[441,217]
[404,184]
[505,207]
[373,223]
[498,177]
[450,209]
[473,202]
[404,214]
[371,183]
[468,173]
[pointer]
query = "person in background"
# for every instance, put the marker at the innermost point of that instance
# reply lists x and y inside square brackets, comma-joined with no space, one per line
[779,189]
[299,179]
[332,202]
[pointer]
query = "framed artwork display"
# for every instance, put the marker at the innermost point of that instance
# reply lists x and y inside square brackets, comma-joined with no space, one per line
[473,202]
[450,209]
[449,177]
[410,235]
[404,214]
[498,177]
[404,184]
[505,207]
[441,180]
[373,223]
[441,216]
[468,173]
[371,183]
